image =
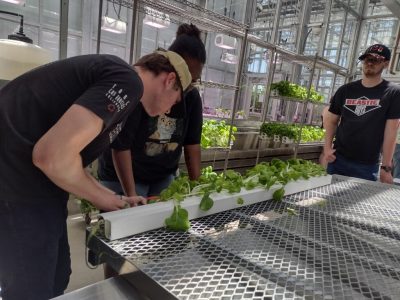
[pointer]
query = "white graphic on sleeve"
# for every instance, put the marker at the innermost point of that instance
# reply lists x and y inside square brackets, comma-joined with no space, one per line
[362,105]
[160,139]
[113,133]
[117,98]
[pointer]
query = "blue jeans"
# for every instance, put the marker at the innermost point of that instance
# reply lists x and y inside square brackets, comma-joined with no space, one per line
[346,167]
[142,189]
[35,260]
[396,162]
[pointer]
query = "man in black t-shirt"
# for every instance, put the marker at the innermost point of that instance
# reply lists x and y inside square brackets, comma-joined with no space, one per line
[146,159]
[369,113]
[54,121]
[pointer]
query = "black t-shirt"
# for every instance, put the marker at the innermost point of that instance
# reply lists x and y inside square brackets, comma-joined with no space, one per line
[364,112]
[156,142]
[32,103]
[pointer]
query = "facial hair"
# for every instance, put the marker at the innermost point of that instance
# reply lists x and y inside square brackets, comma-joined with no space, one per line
[371,72]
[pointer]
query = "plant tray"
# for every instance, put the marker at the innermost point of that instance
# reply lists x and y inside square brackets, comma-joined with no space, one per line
[126,222]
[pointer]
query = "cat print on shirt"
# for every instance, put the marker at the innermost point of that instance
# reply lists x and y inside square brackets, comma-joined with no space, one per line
[160,140]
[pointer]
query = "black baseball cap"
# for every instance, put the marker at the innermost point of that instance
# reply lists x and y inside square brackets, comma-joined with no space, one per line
[376,50]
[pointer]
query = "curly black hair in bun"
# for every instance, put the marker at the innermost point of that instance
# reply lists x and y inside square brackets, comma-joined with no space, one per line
[188,43]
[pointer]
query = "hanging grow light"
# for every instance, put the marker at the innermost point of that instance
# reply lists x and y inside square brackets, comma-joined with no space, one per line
[17,53]
[225,41]
[229,58]
[18,2]
[156,18]
[113,25]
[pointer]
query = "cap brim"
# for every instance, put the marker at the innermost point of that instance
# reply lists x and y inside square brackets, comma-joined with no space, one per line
[362,57]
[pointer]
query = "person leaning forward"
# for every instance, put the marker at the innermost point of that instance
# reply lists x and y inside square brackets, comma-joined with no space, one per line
[145,156]
[54,121]
[369,112]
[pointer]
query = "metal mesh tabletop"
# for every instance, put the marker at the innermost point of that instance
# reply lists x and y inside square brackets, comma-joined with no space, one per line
[340,241]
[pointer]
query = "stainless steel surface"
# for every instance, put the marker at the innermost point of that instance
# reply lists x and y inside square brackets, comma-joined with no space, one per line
[115,288]
[341,241]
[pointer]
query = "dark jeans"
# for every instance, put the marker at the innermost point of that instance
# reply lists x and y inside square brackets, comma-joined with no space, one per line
[346,167]
[35,260]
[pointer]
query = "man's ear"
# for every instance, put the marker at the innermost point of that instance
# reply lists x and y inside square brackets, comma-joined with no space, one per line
[170,79]
[386,64]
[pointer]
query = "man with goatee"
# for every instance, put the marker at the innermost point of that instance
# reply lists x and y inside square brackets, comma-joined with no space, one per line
[362,122]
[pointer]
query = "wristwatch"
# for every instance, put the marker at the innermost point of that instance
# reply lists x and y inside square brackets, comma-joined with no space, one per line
[386,168]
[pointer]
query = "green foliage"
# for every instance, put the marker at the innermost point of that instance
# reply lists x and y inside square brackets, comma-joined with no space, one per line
[216,134]
[291,211]
[179,220]
[86,207]
[263,175]
[292,131]
[292,90]
[278,194]
[206,202]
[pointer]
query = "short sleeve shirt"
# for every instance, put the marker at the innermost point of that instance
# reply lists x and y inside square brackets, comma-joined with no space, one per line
[156,142]
[32,103]
[363,113]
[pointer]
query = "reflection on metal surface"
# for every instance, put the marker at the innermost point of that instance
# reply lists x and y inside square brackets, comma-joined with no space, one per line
[115,288]
[347,248]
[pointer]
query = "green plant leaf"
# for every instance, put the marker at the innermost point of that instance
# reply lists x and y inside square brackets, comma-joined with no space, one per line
[278,194]
[206,202]
[179,220]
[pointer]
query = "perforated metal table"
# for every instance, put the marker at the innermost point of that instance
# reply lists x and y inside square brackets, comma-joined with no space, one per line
[340,241]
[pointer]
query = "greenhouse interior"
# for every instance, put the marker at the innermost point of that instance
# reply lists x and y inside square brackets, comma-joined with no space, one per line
[280,179]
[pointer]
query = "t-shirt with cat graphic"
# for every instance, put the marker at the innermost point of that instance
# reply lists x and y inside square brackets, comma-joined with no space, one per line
[156,142]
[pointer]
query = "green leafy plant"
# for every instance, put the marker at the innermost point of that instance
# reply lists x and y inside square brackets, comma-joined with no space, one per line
[179,220]
[264,175]
[292,131]
[216,134]
[287,89]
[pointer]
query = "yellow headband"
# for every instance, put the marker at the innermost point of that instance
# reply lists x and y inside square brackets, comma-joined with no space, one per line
[180,67]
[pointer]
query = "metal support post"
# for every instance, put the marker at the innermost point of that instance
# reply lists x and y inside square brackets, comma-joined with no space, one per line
[64,7]
[99,26]
[237,91]
[296,147]
[132,49]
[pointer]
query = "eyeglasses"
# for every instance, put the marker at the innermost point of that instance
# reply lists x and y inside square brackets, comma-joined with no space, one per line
[373,60]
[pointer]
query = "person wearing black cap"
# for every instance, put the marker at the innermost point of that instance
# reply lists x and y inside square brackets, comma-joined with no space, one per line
[362,120]
[54,121]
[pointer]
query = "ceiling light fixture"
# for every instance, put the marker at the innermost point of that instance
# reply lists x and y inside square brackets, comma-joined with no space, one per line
[225,41]
[18,2]
[156,18]
[229,58]
[18,55]
[113,25]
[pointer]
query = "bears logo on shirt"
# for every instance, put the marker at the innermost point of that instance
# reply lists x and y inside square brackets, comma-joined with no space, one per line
[362,105]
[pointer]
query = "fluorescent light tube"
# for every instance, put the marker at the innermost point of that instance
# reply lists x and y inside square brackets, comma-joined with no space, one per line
[156,18]
[113,25]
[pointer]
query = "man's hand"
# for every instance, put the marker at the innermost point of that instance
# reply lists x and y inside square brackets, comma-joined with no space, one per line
[134,200]
[386,177]
[116,202]
[329,155]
